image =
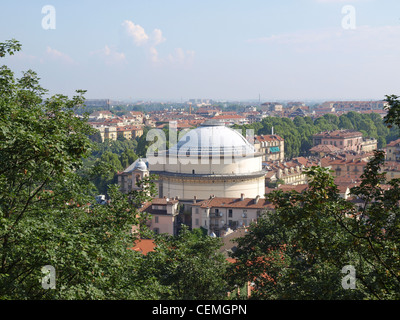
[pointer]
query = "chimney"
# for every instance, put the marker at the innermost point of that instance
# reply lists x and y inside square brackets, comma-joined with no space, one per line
[256,199]
[242,196]
[194,199]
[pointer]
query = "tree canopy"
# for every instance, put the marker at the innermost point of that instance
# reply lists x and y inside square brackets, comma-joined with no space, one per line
[48,215]
[299,131]
[299,251]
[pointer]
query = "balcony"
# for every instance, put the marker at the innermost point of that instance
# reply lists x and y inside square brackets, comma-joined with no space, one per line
[216,214]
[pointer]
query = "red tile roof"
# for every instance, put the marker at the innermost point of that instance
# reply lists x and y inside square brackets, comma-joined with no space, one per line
[338,134]
[269,137]
[144,246]
[325,148]
[393,143]
[298,188]
[248,203]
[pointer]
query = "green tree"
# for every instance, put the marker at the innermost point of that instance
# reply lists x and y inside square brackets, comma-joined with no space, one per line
[345,123]
[299,250]
[48,215]
[187,266]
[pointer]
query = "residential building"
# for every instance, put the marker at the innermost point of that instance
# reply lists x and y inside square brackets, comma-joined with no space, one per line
[342,139]
[345,140]
[322,150]
[393,151]
[289,172]
[220,215]
[392,169]
[271,146]
[271,106]
[350,168]
[129,132]
[101,115]
[110,133]
[163,213]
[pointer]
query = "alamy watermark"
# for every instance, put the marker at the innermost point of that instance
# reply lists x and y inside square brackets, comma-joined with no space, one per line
[349,280]
[49,20]
[349,20]
[49,279]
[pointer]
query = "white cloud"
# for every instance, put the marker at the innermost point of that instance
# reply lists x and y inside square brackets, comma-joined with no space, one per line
[23,57]
[157,37]
[136,32]
[150,43]
[181,56]
[154,55]
[60,56]
[110,55]
[139,35]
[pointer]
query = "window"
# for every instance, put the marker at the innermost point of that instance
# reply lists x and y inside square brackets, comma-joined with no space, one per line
[197,222]
[197,210]
[230,213]
[193,171]
[156,230]
[216,210]
[233,224]
[156,219]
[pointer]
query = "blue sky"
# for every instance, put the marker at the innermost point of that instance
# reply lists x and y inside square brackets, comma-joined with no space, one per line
[220,49]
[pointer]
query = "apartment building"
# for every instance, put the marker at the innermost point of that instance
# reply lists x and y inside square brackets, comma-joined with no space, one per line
[393,151]
[271,146]
[345,140]
[163,213]
[220,215]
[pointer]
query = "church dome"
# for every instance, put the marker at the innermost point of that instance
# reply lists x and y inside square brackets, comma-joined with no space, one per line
[140,165]
[212,138]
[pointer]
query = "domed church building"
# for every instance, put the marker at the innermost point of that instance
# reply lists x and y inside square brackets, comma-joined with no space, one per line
[211,160]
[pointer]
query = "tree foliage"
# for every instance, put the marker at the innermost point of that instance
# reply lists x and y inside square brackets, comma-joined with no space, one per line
[48,215]
[299,250]
[185,267]
[299,131]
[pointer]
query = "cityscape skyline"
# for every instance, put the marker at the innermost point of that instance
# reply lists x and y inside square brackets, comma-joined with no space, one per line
[258,50]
